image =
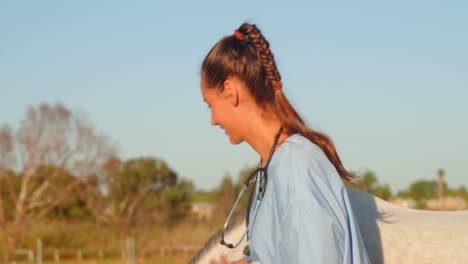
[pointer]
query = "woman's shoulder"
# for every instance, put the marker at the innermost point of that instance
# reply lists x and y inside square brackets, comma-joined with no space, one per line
[300,149]
[303,169]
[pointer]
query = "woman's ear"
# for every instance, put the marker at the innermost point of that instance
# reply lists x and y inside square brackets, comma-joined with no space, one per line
[231,91]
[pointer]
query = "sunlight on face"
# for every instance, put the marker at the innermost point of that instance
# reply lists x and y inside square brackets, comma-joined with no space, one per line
[221,111]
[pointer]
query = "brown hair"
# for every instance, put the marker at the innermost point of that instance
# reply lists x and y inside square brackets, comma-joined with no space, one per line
[249,59]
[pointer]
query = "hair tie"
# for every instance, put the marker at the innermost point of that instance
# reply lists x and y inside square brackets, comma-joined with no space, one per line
[239,35]
[277,86]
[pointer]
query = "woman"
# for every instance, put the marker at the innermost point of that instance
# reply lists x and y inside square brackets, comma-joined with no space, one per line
[304,214]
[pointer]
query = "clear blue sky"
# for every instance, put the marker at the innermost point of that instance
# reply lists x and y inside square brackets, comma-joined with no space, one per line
[387,80]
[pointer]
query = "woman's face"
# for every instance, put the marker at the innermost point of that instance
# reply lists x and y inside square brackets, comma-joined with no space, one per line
[222,111]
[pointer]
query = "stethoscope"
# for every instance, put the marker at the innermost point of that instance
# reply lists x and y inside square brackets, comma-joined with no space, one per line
[259,176]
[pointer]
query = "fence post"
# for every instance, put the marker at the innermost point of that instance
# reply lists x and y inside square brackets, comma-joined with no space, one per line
[161,250]
[31,255]
[130,250]
[56,255]
[39,251]
[79,255]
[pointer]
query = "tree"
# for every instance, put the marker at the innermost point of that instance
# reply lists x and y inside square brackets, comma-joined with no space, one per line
[58,178]
[382,191]
[243,174]
[226,196]
[10,185]
[368,182]
[92,191]
[420,191]
[423,190]
[48,136]
[142,188]
[461,192]
[177,200]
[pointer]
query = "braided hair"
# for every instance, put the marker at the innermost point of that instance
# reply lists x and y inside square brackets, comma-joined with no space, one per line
[246,55]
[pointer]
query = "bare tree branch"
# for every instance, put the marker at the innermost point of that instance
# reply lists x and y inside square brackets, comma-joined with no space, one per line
[48,136]
[33,218]
[35,196]
[140,195]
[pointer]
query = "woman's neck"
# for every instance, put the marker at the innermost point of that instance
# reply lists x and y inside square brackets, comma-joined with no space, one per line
[261,137]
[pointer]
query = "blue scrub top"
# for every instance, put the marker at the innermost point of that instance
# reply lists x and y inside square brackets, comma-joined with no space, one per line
[305,215]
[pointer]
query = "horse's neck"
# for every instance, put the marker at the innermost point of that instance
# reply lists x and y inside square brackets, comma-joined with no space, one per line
[391,234]
[213,250]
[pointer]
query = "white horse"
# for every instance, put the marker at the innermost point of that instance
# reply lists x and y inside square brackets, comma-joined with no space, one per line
[391,234]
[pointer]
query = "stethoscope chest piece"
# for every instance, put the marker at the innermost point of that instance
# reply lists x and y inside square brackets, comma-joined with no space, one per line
[246,253]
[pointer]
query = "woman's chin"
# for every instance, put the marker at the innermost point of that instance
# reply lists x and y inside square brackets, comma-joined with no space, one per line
[234,140]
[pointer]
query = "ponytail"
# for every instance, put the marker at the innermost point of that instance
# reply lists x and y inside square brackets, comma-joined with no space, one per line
[246,55]
[291,121]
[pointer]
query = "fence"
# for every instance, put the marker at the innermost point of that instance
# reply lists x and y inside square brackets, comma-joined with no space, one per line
[129,255]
